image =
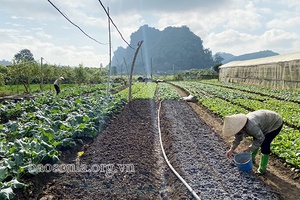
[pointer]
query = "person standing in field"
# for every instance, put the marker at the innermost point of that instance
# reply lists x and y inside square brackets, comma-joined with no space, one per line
[57,83]
[262,125]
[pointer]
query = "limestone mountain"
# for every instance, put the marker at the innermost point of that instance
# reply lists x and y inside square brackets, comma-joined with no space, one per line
[162,52]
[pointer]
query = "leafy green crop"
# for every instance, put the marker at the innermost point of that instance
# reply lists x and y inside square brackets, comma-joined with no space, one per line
[150,90]
[140,90]
[166,92]
[46,125]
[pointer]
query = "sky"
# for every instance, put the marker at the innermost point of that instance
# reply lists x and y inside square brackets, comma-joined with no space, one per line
[232,26]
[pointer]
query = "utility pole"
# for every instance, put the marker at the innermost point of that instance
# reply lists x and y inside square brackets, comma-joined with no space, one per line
[121,70]
[173,71]
[109,65]
[151,68]
[42,76]
[126,66]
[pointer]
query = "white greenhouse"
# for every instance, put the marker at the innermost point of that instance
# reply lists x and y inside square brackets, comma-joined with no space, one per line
[281,71]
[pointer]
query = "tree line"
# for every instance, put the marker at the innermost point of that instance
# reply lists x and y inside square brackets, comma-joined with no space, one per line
[25,71]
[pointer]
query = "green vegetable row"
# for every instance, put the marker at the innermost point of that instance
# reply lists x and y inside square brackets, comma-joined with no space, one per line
[288,110]
[150,90]
[10,110]
[167,92]
[287,95]
[46,126]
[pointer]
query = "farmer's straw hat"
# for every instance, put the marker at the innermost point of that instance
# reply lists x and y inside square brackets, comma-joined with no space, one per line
[233,124]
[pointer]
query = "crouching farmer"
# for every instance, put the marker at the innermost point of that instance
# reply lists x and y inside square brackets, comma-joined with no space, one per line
[262,125]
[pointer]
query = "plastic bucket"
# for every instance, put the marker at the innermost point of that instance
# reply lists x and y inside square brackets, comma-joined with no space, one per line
[243,161]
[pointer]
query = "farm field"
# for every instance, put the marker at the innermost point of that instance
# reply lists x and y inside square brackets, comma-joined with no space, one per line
[126,153]
[232,98]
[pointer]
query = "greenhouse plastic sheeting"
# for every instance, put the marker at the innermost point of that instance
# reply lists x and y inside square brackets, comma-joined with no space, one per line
[282,71]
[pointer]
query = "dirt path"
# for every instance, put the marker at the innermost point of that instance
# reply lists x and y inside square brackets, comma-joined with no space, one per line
[198,153]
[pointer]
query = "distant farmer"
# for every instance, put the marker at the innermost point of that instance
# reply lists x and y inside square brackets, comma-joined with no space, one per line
[262,125]
[57,83]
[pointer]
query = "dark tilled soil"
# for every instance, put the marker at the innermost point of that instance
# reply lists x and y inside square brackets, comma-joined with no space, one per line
[198,153]
[280,176]
[127,157]
[129,161]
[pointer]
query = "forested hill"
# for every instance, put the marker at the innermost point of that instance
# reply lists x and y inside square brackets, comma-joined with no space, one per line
[174,48]
[261,54]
